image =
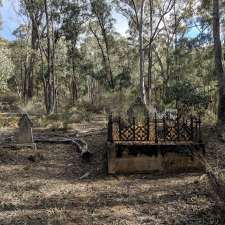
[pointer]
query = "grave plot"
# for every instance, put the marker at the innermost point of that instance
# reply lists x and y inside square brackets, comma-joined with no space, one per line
[24,133]
[155,145]
[56,187]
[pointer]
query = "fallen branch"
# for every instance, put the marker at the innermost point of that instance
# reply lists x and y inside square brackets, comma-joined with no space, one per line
[80,145]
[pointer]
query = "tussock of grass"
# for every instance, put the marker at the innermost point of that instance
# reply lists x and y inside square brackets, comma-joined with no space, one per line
[8,121]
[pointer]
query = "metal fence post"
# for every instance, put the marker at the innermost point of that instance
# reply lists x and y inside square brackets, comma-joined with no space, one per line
[133,128]
[110,128]
[199,130]
[192,129]
[156,129]
[120,130]
[196,130]
[148,129]
[178,128]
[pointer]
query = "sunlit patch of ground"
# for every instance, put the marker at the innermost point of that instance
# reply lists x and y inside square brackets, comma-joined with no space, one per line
[49,191]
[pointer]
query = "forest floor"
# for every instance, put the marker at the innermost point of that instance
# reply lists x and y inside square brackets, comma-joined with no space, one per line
[50,190]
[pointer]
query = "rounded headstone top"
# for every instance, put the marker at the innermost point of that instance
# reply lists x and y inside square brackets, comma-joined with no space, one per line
[137,109]
[25,121]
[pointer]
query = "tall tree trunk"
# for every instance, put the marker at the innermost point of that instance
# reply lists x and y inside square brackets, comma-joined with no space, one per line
[35,17]
[218,62]
[34,47]
[142,55]
[74,88]
[149,87]
[108,59]
[105,61]
[50,83]
[24,82]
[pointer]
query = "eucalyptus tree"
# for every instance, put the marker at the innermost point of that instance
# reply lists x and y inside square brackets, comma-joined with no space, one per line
[218,61]
[6,65]
[43,17]
[172,35]
[33,9]
[49,77]
[21,51]
[136,12]
[74,14]
[157,14]
[102,15]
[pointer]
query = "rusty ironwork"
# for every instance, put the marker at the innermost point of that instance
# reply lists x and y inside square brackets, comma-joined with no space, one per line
[155,130]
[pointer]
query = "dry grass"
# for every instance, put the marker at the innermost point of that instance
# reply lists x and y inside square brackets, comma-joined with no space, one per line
[49,192]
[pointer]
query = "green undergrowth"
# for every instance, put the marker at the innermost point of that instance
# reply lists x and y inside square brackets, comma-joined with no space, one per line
[8,121]
[222,184]
[116,102]
[72,115]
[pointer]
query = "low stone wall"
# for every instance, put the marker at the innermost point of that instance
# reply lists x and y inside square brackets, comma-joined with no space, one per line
[154,158]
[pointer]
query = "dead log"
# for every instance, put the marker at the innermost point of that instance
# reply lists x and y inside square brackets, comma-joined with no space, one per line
[82,148]
[85,176]
[80,145]
[52,141]
[13,146]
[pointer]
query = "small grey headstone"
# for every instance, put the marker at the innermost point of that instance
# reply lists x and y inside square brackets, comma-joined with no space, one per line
[137,110]
[24,134]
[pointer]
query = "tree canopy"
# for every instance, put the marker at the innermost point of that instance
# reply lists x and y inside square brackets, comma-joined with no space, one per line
[69,51]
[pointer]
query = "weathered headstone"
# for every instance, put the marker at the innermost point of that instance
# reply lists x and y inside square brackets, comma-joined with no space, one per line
[137,110]
[24,134]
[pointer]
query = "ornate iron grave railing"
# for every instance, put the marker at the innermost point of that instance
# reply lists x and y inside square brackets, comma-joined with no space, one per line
[154,130]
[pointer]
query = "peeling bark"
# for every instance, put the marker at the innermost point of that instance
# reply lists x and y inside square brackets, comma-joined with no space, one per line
[218,62]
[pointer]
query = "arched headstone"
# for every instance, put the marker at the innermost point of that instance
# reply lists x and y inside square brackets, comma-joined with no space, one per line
[137,110]
[24,134]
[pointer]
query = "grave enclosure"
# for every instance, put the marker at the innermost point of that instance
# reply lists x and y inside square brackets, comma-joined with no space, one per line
[154,145]
[139,144]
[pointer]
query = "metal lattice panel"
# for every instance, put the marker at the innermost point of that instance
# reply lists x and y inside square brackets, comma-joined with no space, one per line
[127,134]
[185,132]
[170,133]
[141,133]
[157,130]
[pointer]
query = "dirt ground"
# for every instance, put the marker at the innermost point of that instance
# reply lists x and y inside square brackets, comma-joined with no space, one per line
[52,186]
